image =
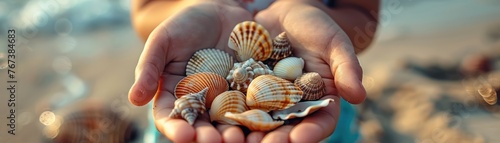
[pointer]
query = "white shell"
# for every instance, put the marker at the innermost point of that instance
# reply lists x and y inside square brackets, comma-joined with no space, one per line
[255,120]
[250,40]
[268,92]
[300,109]
[210,60]
[189,106]
[229,101]
[289,68]
[243,73]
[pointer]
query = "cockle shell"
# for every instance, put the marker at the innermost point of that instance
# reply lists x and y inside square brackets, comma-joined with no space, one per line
[250,40]
[210,60]
[243,73]
[289,68]
[189,106]
[196,82]
[312,85]
[255,120]
[229,101]
[281,49]
[268,92]
[300,109]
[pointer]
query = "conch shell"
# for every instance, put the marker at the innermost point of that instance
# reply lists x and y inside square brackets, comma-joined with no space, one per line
[196,82]
[210,60]
[300,109]
[312,85]
[229,101]
[289,68]
[189,106]
[255,120]
[243,73]
[281,49]
[268,92]
[250,40]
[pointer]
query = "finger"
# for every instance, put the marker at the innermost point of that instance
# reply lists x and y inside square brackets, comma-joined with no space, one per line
[279,135]
[255,137]
[231,134]
[206,132]
[318,125]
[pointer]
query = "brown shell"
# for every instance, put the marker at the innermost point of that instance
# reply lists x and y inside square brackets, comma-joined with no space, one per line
[268,92]
[229,101]
[312,85]
[250,40]
[210,60]
[255,120]
[196,82]
[281,49]
[189,106]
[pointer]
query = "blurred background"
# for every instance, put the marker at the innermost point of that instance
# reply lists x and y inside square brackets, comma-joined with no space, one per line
[432,73]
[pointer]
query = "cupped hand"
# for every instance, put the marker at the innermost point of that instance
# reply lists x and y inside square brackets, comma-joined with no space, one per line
[326,49]
[206,24]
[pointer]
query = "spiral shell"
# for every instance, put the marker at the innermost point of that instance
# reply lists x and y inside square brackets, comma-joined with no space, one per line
[229,101]
[300,109]
[250,40]
[196,82]
[268,92]
[210,60]
[312,85]
[189,106]
[255,120]
[289,68]
[281,49]
[243,73]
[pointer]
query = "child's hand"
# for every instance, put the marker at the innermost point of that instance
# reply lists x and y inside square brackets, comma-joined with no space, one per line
[162,63]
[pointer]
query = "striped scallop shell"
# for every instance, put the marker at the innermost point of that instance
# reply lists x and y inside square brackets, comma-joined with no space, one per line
[196,82]
[312,85]
[210,60]
[281,49]
[243,73]
[268,92]
[189,106]
[289,68]
[250,40]
[255,120]
[300,109]
[229,101]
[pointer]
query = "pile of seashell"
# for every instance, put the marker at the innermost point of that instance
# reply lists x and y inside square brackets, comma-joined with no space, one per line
[285,91]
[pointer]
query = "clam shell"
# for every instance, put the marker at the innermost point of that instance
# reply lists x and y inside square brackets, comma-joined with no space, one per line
[281,49]
[300,109]
[229,101]
[250,40]
[189,106]
[268,92]
[488,93]
[255,120]
[243,73]
[312,85]
[289,68]
[210,60]
[196,82]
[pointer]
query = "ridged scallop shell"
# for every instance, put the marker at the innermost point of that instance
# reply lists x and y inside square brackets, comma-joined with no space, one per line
[243,73]
[281,49]
[250,40]
[210,60]
[268,92]
[289,68]
[196,82]
[312,85]
[300,109]
[229,101]
[255,120]
[189,106]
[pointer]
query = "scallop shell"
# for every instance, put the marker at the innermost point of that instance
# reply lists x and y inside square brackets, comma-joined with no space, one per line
[210,60]
[189,106]
[243,73]
[196,82]
[300,109]
[229,101]
[255,120]
[250,40]
[281,49]
[289,68]
[268,92]
[312,85]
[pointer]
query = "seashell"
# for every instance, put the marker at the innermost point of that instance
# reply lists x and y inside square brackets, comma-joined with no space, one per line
[196,82]
[255,120]
[229,101]
[312,85]
[243,73]
[210,60]
[281,49]
[250,40]
[190,106]
[268,92]
[488,93]
[300,109]
[289,68]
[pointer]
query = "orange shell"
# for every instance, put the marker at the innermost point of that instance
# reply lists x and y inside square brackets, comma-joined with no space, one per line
[250,40]
[196,82]
[268,92]
[229,101]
